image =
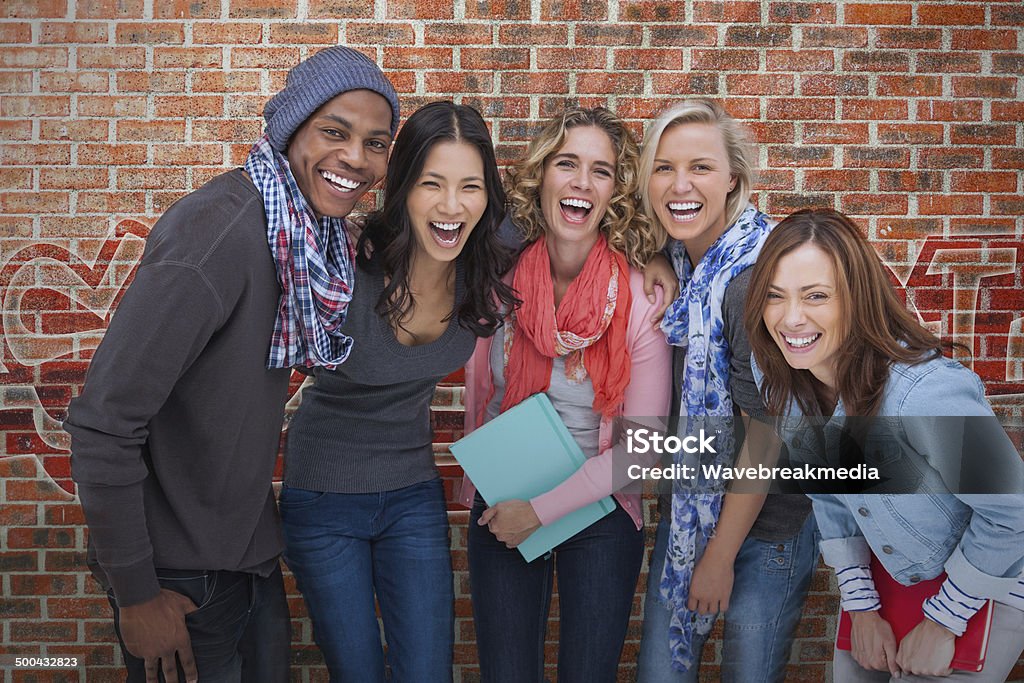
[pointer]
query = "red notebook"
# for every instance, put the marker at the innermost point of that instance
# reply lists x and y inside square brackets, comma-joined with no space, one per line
[901,607]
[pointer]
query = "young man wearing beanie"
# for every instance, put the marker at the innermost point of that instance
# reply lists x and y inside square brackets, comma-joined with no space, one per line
[175,434]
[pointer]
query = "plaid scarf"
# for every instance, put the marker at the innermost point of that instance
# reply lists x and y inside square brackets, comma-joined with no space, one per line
[315,268]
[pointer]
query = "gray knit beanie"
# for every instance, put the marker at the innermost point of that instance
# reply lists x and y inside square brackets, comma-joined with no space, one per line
[319,79]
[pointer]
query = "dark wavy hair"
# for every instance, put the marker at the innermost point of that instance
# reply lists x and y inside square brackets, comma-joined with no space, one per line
[878,330]
[389,231]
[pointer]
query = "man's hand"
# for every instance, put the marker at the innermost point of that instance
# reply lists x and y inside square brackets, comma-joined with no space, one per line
[155,631]
[711,585]
[927,650]
[510,521]
[872,643]
[659,272]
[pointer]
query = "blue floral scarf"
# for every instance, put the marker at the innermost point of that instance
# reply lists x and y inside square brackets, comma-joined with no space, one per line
[694,321]
[315,267]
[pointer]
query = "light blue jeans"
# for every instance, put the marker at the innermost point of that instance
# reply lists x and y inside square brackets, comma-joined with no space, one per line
[769,587]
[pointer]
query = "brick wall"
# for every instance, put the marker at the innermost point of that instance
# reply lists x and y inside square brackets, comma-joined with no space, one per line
[906,115]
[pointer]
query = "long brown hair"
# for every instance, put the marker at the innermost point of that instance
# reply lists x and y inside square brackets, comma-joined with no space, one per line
[878,328]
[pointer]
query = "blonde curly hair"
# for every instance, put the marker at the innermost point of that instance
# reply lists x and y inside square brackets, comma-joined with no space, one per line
[627,230]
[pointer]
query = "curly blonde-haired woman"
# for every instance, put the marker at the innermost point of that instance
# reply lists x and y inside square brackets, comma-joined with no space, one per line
[583,337]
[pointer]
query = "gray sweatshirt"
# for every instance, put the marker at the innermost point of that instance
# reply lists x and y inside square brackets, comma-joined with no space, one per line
[175,435]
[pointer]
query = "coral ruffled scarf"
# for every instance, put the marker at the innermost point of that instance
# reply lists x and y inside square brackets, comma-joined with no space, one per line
[591,322]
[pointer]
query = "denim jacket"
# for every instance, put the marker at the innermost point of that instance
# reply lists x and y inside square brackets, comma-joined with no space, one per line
[978,539]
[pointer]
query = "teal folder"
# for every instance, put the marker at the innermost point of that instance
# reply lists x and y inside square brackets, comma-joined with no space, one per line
[526,451]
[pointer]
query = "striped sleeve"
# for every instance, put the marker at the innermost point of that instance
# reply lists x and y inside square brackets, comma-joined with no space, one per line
[857,589]
[951,607]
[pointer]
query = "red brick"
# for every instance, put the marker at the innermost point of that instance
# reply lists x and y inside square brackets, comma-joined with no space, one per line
[33,9]
[110,9]
[857,109]
[40,537]
[226,131]
[377,34]
[772,132]
[683,35]
[72,32]
[78,608]
[802,13]
[781,204]
[48,631]
[74,81]
[611,83]
[43,584]
[910,86]
[190,57]
[645,60]
[77,178]
[833,36]
[1007,205]
[948,62]
[877,60]
[502,58]
[909,181]
[757,35]
[112,106]
[15,81]
[909,228]
[983,134]
[152,81]
[575,59]
[836,180]
[261,9]
[951,157]
[878,13]
[187,9]
[190,106]
[873,204]
[724,60]
[405,83]
[759,84]
[1008,15]
[950,15]
[1008,158]
[876,157]
[157,33]
[340,9]
[616,35]
[112,57]
[150,178]
[35,155]
[911,133]
[685,84]
[1008,111]
[16,32]
[112,154]
[981,226]
[533,34]
[988,88]
[773,179]
[800,60]
[304,34]
[948,110]
[15,179]
[727,12]
[129,130]
[1011,63]
[799,156]
[454,34]
[643,10]
[909,38]
[123,203]
[458,82]
[984,39]
[420,9]
[227,33]
[504,107]
[264,57]
[827,84]
[34,105]
[983,181]
[33,57]
[949,204]
[801,109]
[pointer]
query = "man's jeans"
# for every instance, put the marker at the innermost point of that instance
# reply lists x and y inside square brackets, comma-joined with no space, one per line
[345,549]
[241,631]
[770,583]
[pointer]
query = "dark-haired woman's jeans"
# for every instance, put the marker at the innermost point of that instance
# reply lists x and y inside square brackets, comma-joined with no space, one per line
[597,573]
[345,549]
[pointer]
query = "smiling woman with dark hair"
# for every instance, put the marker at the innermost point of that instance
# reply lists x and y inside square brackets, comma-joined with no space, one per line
[362,504]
